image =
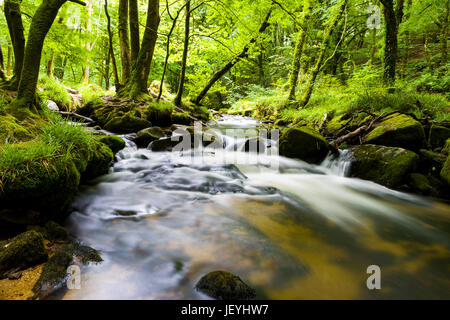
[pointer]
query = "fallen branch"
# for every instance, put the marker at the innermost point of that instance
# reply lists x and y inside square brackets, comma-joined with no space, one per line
[75,116]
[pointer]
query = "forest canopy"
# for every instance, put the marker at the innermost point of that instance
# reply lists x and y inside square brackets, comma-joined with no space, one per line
[276,55]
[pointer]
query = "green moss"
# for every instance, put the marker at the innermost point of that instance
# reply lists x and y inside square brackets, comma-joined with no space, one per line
[303,143]
[223,285]
[398,130]
[144,137]
[420,183]
[127,124]
[445,172]
[438,136]
[35,192]
[11,131]
[446,148]
[99,163]
[388,166]
[23,251]
[181,118]
[115,143]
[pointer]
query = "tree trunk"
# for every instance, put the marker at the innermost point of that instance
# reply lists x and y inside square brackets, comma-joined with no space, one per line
[50,65]
[318,66]
[295,68]
[137,84]
[444,48]
[179,95]
[40,25]
[107,66]
[392,19]
[174,22]
[231,63]
[13,15]
[405,55]
[373,47]
[111,47]
[134,30]
[2,65]
[8,62]
[124,41]
[88,42]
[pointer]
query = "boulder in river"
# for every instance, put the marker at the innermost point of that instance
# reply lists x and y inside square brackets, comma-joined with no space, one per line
[387,166]
[127,124]
[53,273]
[115,143]
[145,136]
[303,143]
[99,163]
[223,285]
[23,251]
[398,130]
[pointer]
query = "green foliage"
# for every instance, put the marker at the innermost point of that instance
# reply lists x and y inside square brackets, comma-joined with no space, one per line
[91,94]
[54,90]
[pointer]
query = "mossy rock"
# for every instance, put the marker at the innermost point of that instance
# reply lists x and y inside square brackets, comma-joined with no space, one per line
[23,251]
[303,143]
[335,125]
[52,231]
[398,130]
[181,118]
[438,136]
[388,166]
[11,131]
[38,192]
[164,144]
[99,163]
[446,148]
[445,172]
[420,184]
[144,137]
[431,160]
[223,285]
[159,114]
[127,124]
[115,143]
[53,274]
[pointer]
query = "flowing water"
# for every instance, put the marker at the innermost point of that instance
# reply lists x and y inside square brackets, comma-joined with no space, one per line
[297,231]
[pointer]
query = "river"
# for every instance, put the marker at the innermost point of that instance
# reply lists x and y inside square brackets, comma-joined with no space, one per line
[297,231]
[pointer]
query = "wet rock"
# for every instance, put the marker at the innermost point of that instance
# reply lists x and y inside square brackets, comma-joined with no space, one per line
[398,130]
[387,166]
[145,136]
[115,143]
[303,143]
[223,285]
[23,251]
[445,172]
[164,144]
[52,231]
[53,274]
[438,136]
[254,145]
[127,124]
